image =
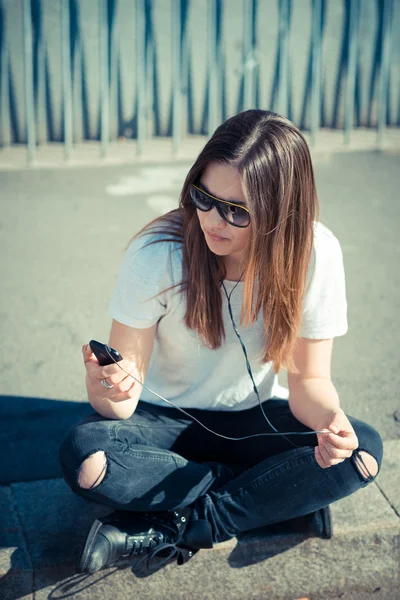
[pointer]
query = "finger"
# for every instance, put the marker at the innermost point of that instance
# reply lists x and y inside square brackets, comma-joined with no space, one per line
[112,373]
[325,456]
[118,371]
[124,385]
[88,355]
[343,441]
[329,460]
[97,373]
[118,388]
[120,397]
[335,452]
[120,380]
[319,458]
[118,392]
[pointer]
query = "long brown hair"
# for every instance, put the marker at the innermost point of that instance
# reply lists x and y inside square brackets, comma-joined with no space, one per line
[277,178]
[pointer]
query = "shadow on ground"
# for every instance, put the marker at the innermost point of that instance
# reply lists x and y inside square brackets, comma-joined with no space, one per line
[62,581]
[31,434]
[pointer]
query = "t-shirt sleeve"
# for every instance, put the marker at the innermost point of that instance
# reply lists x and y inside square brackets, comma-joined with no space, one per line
[144,273]
[324,304]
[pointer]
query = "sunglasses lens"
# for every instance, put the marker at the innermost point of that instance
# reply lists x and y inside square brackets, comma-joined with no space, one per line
[200,200]
[230,213]
[236,215]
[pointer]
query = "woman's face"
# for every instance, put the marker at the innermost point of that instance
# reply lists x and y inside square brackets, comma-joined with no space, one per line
[223,181]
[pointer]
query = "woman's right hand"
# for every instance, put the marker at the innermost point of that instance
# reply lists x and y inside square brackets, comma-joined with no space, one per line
[120,401]
[124,386]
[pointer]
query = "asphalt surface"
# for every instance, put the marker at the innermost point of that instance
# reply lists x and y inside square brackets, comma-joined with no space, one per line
[62,237]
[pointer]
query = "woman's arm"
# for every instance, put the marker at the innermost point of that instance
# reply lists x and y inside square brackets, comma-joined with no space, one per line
[135,346]
[312,396]
[314,401]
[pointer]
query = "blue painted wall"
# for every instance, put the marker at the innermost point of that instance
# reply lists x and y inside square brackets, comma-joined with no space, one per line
[263,61]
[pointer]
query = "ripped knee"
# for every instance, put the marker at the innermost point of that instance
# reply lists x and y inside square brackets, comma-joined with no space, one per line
[366,463]
[92,470]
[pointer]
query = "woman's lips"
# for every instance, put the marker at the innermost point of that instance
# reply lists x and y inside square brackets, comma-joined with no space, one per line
[215,238]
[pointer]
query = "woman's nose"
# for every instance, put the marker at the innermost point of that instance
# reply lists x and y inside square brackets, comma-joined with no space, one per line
[214,219]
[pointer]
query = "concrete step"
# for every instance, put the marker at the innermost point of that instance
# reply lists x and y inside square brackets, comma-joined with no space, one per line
[43,525]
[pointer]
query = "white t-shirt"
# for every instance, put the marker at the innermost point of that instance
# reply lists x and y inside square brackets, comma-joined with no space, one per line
[182,369]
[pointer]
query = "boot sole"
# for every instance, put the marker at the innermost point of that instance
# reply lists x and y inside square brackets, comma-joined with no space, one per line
[85,555]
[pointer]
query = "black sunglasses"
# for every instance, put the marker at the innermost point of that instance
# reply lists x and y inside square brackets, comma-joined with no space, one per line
[232,213]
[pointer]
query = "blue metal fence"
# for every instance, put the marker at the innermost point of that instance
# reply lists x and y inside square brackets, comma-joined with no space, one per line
[73,70]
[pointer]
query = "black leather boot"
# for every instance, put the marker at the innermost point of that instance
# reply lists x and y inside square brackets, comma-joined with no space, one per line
[129,535]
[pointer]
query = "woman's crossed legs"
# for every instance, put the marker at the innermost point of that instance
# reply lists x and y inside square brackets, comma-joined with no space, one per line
[159,459]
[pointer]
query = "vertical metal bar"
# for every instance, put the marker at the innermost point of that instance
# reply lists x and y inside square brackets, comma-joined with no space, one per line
[28,80]
[176,76]
[212,67]
[363,15]
[104,83]
[66,78]
[384,71]
[248,62]
[351,71]
[140,75]
[114,61]
[315,70]
[77,90]
[219,57]
[185,77]
[41,108]
[150,108]
[5,99]
[283,56]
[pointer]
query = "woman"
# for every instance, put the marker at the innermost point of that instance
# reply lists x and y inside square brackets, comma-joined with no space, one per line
[211,301]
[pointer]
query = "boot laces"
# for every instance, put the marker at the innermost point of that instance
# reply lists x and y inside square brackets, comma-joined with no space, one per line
[172,548]
[173,552]
[138,546]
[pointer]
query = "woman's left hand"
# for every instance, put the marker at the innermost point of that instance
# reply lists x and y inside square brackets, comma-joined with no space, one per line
[336,444]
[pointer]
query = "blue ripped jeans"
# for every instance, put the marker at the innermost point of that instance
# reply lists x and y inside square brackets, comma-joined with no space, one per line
[159,459]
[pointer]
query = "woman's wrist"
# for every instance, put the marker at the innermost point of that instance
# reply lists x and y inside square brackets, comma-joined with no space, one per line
[113,410]
[314,401]
[326,417]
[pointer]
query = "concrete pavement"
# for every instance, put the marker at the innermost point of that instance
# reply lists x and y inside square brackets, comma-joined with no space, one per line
[43,525]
